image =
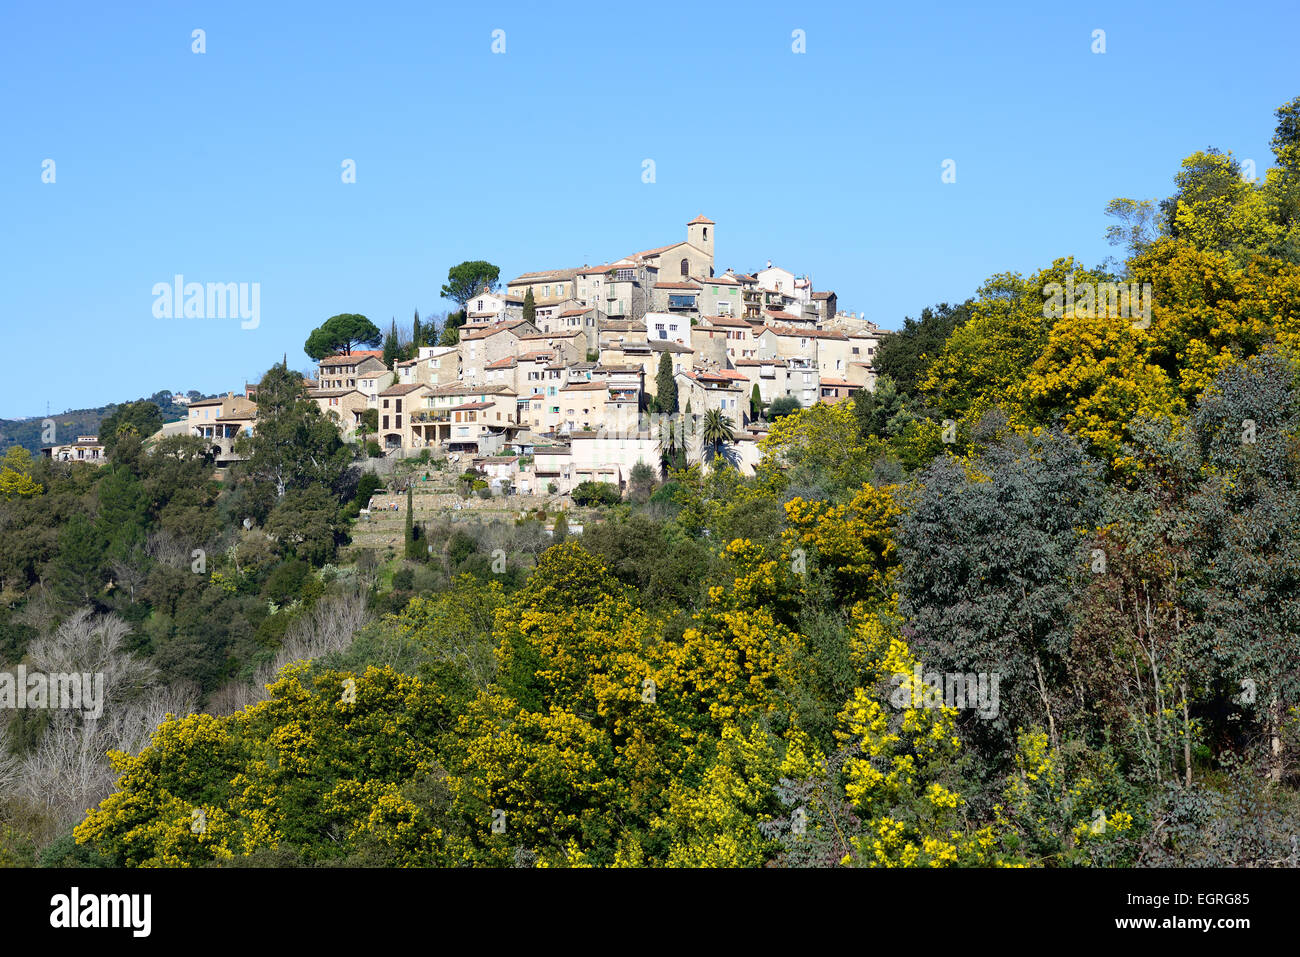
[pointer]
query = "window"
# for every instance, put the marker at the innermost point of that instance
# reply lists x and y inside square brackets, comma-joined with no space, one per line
[546,291]
[480,305]
[399,421]
[384,425]
[686,268]
[706,234]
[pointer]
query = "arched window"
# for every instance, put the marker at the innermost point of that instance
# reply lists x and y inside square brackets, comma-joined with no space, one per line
[686,268]
[706,234]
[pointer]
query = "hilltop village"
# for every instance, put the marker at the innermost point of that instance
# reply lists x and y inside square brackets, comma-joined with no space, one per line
[569,395]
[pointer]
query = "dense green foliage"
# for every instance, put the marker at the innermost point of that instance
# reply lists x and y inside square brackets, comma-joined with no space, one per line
[1032,601]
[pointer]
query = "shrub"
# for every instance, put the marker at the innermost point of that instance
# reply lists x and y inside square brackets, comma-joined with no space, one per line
[596,493]
[786,405]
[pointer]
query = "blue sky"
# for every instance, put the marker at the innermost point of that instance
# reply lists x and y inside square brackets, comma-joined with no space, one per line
[226,166]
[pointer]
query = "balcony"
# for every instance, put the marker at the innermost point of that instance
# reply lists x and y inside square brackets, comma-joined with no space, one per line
[430,415]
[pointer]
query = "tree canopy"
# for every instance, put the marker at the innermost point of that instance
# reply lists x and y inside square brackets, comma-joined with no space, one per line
[340,334]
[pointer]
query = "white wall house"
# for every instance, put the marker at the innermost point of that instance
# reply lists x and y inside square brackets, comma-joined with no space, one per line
[668,327]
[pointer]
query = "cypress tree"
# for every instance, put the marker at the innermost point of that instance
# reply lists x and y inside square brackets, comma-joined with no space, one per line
[666,386]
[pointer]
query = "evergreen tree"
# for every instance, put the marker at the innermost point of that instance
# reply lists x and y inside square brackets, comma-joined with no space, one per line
[755,402]
[79,562]
[392,348]
[451,329]
[530,306]
[666,386]
[294,445]
[412,540]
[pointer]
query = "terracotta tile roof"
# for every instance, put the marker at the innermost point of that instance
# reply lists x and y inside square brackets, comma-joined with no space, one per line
[651,253]
[701,219]
[357,356]
[506,363]
[459,388]
[585,387]
[553,335]
[531,277]
[677,285]
[575,312]
[839,383]
[822,295]
[403,389]
[493,330]
[471,407]
[808,333]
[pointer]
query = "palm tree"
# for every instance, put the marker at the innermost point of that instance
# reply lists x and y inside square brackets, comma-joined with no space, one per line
[667,445]
[716,432]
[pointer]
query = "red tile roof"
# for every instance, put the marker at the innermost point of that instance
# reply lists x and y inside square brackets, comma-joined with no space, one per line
[343,359]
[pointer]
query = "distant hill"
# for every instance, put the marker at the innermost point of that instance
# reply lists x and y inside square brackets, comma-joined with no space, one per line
[27,432]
